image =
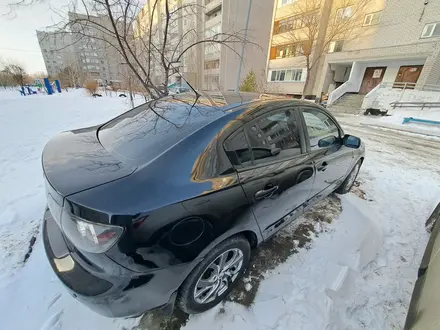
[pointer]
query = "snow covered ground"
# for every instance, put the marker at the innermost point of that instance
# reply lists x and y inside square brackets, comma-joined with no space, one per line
[395,121]
[31,297]
[358,272]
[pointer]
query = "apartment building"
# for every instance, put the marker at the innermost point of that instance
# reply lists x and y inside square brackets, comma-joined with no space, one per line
[96,58]
[222,64]
[57,51]
[400,45]
[153,14]
[212,66]
[394,41]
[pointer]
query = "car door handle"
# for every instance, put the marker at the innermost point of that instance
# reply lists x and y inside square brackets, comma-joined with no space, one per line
[322,167]
[266,193]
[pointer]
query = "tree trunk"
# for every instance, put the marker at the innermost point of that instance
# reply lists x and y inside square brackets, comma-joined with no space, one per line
[131,93]
[306,83]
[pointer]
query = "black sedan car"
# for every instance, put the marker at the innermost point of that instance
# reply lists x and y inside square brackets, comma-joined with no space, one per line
[164,203]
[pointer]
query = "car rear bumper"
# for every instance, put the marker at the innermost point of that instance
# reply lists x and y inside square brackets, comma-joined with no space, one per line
[113,290]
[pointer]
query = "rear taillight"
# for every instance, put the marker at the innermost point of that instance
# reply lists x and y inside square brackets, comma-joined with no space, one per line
[89,236]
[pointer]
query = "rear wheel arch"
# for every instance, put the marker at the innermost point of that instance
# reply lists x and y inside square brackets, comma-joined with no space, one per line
[249,234]
[251,237]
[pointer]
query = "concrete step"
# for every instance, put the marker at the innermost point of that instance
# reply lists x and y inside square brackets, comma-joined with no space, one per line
[348,103]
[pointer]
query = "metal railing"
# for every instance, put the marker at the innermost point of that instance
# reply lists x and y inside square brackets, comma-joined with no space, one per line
[415,105]
[412,86]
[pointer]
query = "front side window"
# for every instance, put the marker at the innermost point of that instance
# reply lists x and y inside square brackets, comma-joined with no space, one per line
[322,130]
[274,136]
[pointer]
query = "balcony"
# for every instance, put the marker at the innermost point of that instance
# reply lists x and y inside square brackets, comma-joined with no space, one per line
[213,21]
[288,62]
[212,6]
[212,71]
[282,38]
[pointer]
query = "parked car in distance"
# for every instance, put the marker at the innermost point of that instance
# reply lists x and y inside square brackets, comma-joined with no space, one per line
[423,309]
[164,203]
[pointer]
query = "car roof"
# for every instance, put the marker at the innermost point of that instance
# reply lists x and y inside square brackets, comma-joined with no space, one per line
[143,133]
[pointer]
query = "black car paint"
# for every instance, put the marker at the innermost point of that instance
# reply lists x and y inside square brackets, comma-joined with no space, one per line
[80,153]
[175,208]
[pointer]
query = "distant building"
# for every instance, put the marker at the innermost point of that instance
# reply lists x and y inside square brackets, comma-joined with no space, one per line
[221,64]
[96,58]
[57,51]
[211,66]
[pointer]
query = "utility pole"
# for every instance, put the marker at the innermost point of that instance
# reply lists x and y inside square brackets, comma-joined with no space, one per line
[242,46]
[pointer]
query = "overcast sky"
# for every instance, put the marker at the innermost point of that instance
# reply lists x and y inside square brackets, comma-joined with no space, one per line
[18,39]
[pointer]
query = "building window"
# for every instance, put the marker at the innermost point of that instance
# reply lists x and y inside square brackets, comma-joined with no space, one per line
[213,30]
[335,46]
[288,75]
[212,64]
[295,22]
[283,51]
[343,14]
[212,49]
[211,79]
[373,18]
[282,3]
[431,30]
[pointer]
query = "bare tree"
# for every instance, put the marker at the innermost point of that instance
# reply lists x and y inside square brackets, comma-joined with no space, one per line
[150,43]
[68,76]
[315,25]
[16,74]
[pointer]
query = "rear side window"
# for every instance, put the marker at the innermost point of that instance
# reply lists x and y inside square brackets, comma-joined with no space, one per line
[274,136]
[322,130]
[237,149]
[143,133]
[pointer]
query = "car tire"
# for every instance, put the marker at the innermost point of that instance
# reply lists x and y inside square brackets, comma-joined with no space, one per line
[197,286]
[350,179]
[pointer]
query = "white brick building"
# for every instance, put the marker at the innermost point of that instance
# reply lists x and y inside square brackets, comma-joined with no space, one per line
[401,47]
[396,41]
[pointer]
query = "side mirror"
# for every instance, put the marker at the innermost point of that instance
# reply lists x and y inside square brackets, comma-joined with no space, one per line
[351,141]
[326,142]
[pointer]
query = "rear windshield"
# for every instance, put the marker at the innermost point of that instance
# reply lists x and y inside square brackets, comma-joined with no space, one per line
[143,133]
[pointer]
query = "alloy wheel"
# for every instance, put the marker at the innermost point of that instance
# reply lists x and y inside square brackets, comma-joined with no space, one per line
[218,276]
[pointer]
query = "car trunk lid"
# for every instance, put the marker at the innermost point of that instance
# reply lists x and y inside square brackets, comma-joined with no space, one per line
[74,161]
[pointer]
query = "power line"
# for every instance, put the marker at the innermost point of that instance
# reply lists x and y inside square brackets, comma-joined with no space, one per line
[19,50]
[35,51]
